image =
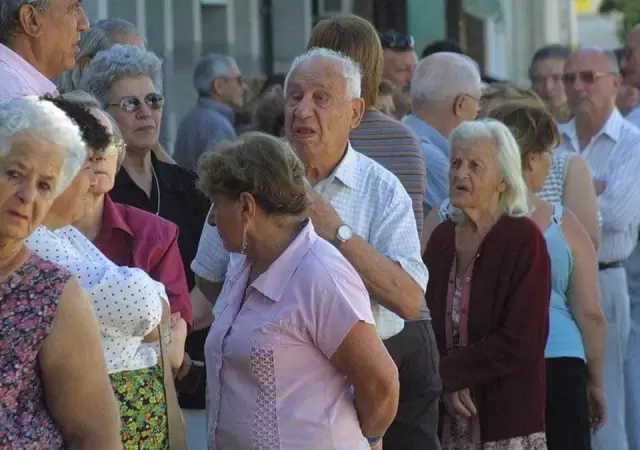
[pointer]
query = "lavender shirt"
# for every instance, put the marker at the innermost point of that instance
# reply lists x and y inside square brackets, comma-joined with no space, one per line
[18,78]
[270,379]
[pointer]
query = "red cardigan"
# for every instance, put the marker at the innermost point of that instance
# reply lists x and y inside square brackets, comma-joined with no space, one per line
[507,327]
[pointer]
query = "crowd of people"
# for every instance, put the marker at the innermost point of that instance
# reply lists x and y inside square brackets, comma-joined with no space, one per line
[392,252]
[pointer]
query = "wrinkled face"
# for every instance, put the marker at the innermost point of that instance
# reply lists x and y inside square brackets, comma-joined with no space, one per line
[475,179]
[105,164]
[73,203]
[231,90]
[630,61]
[537,168]
[60,28]
[590,84]
[29,175]
[385,105]
[546,80]
[398,66]
[318,112]
[137,109]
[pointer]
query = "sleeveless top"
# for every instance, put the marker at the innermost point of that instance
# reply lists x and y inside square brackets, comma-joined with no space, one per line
[28,302]
[565,339]
[553,189]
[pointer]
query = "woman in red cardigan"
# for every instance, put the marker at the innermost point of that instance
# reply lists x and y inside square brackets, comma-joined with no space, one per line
[488,293]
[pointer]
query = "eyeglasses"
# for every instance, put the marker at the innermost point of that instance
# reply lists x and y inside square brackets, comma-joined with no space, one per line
[131,104]
[479,101]
[397,41]
[586,76]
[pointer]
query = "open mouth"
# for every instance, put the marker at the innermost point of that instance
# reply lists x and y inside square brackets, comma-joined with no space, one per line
[461,188]
[304,131]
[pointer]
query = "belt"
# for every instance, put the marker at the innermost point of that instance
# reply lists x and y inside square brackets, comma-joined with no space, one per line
[610,265]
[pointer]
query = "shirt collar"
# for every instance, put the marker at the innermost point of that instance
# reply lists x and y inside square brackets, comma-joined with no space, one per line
[611,129]
[30,75]
[425,131]
[220,108]
[347,169]
[112,218]
[275,280]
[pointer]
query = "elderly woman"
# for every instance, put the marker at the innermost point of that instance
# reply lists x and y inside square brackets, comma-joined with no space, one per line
[128,82]
[129,304]
[577,329]
[293,322]
[52,397]
[488,293]
[129,236]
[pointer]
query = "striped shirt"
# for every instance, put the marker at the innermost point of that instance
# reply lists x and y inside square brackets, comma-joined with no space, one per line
[613,155]
[394,146]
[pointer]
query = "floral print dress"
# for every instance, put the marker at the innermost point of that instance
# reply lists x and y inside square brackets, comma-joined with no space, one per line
[459,433]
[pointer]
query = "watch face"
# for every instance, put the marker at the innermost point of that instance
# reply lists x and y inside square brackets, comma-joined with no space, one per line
[345,233]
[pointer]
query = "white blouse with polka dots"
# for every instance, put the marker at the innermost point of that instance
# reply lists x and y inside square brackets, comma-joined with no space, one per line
[127,302]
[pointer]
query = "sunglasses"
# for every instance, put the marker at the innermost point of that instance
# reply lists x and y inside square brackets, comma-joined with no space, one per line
[586,76]
[115,147]
[131,104]
[397,41]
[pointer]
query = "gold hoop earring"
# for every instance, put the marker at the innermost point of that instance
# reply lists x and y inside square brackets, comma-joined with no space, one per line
[244,240]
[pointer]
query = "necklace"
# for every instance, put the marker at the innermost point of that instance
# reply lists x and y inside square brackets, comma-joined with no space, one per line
[155,179]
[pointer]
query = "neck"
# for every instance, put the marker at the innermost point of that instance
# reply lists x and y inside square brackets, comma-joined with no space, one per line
[23,48]
[588,125]
[138,161]
[441,122]
[318,171]
[480,222]
[91,223]
[273,241]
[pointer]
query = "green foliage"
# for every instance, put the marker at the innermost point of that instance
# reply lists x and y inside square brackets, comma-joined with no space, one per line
[630,10]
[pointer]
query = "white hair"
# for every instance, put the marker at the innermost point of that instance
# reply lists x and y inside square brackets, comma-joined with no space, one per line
[44,121]
[513,200]
[443,76]
[351,71]
[210,68]
[120,61]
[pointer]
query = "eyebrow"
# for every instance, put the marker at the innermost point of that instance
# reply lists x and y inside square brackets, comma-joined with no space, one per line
[22,167]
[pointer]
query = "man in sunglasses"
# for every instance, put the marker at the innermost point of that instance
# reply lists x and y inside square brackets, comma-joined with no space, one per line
[38,42]
[611,147]
[399,58]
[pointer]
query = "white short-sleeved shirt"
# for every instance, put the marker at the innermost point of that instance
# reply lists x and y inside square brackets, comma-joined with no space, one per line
[19,79]
[127,302]
[373,202]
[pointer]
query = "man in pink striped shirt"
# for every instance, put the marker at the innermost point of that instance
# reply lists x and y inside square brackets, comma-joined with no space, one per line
[38,42]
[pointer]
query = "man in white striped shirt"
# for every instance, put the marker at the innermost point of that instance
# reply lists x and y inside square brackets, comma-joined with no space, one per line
[611,146]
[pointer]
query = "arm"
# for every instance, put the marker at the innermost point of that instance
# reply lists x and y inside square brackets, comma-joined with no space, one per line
[364,359]
[522,336]
[203,303]
[579,196]
[584,296]
[430,224]
[77,389]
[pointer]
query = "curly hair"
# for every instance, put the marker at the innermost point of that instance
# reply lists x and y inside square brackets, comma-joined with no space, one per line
[94,134]
[261,165]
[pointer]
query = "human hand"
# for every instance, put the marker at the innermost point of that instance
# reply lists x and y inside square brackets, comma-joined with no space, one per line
[597,405]
[323,215]
[460,403]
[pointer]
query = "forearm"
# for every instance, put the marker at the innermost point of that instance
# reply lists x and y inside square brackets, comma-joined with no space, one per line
[176,347]
[594,337]
[376,407]
[202,310]
[387,282]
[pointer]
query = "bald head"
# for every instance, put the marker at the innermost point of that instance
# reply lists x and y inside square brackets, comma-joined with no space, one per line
[444,76]
[596,59]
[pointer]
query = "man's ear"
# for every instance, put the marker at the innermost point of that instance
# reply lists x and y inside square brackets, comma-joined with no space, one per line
[30,20]
[357,111]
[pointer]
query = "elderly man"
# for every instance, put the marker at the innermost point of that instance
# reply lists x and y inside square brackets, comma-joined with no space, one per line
[356,204]
[611,147]
[38,41]
[220,89]
[445,91]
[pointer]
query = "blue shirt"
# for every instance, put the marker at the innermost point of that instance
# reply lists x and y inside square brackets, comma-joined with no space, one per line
[208,123]
[435,148]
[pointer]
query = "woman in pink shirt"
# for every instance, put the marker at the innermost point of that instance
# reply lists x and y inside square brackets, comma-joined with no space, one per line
[293,330]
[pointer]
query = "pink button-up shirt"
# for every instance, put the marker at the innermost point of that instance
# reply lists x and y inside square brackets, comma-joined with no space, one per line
[18,78]
[270,379]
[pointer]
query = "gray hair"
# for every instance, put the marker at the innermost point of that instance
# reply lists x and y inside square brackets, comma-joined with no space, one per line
[120,61]
[514,199]
[443,76]
[350,69]
[101,36]
[211,67]
[9,18]
[44,121]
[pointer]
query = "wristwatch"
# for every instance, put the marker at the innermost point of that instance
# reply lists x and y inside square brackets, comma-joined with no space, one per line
[343,234]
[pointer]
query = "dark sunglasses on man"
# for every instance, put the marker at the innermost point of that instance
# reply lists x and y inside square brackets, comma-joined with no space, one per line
[397,41]
[131,103]
[586,76]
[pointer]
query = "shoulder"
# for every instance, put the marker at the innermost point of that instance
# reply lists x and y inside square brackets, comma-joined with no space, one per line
[145,224]
[376,125]
[517,236]
[378,177]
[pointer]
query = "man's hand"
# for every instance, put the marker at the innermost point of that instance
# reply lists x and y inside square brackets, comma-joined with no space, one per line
[600,186]
[324,217]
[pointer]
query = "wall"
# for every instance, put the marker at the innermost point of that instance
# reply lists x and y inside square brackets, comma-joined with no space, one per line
[426,20]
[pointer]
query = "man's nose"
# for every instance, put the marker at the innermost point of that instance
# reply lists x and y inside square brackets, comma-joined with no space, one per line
[83,21]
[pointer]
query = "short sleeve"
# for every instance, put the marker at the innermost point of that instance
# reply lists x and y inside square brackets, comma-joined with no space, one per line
[337,309]
[212,259]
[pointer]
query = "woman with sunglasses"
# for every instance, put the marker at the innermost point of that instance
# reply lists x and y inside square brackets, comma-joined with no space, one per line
[127,81]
